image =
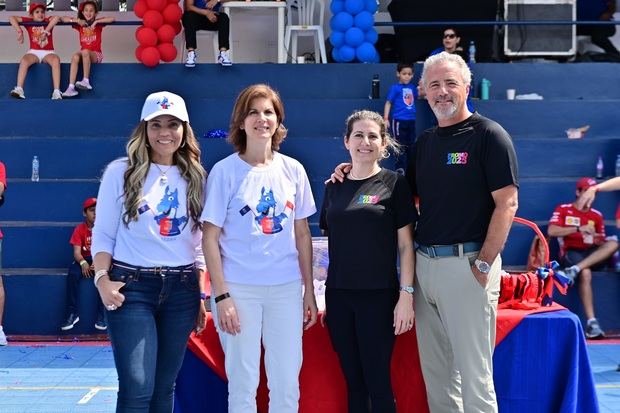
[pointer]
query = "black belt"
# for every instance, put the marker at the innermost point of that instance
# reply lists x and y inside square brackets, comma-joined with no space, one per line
[434,251]
[154,270]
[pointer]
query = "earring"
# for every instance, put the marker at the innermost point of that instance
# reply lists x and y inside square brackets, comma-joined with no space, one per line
[183,144]
[385,153]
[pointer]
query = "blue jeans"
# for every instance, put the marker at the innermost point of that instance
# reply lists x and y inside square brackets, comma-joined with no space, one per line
[149,334]
[74,276]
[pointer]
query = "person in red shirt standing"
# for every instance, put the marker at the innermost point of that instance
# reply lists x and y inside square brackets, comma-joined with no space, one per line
[82,267]
[3,341]
[583,247]
[41,47]
[89,28]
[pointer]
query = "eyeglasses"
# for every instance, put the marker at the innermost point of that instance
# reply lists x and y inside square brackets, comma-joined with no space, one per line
[449,36]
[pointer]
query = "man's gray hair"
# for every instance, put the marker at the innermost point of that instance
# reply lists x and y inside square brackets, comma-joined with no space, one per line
[445,57]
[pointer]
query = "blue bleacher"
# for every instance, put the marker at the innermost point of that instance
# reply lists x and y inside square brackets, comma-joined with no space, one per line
[75,139]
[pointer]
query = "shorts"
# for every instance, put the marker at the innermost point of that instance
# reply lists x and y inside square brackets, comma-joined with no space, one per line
[99,55]
[573,257]
[40,53]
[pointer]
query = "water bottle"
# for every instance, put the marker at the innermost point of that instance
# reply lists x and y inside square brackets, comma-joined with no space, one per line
[618,165]
[35,169]
[375,90]
[599,168]
[485,84]
[472,52]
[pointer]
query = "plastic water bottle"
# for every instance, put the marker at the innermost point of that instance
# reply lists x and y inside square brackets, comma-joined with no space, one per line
[599,168]
[472,52]
[35,169]
[375,90]
[618,165]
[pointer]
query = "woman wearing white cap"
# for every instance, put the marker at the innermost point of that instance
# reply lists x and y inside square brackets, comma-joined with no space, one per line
[147,253]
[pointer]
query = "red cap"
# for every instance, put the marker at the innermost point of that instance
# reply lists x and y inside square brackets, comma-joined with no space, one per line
[585,183]
[94,3]
[89,202]
[34,6]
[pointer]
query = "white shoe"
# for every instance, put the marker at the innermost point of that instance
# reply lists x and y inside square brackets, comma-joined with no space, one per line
[69,93]
[18,93]
[191,59]
[3,341]
[83,84]
[224,58]
[56,95]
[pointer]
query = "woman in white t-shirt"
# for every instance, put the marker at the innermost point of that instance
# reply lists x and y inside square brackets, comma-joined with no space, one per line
[259,251]
[147,253]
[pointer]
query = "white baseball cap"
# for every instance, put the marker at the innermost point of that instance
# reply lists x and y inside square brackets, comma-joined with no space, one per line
[164,103]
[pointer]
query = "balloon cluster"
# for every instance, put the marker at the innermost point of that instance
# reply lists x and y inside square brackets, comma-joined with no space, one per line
[161,22]
[353,35]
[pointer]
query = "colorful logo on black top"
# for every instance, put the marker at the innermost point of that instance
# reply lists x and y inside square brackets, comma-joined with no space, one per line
[265,217]
[457,158]
[169,224]
[368,199]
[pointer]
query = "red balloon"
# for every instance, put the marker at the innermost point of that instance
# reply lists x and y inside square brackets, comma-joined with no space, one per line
[158,5]
[153,19]
[172,13]
[167,52]
[146,36]
[166,33]
[150,56]
[177,28]
[138,53]
[173,2]
[140,8]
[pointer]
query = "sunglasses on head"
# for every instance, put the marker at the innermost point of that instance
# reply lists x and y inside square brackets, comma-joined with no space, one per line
[449,36]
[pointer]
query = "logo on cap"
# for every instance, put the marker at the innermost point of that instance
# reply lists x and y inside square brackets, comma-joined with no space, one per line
[164,103]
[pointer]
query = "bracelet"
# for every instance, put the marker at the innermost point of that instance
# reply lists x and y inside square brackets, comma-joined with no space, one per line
[83,262]
[221,297]
[98,275]
[203,296]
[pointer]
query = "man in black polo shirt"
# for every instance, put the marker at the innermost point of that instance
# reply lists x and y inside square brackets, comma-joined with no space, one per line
[465,174]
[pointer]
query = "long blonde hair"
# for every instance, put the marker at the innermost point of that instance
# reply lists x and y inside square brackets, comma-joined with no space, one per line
[186,158]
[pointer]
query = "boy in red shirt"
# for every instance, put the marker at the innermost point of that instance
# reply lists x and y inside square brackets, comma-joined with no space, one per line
[41,47]
[82,267]
[583,247]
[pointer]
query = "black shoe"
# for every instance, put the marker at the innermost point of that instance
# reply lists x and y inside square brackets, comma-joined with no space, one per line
[71,321]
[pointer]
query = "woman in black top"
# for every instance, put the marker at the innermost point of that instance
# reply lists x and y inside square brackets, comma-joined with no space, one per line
[368,219]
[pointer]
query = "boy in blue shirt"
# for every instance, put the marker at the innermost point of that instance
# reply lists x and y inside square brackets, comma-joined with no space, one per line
[401,102]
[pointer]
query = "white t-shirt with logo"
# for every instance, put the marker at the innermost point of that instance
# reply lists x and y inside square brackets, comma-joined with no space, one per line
[163,234]
[256,207]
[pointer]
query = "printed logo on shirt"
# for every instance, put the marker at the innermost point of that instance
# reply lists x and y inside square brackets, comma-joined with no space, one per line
[408,96]
[457,158]
[40,38]
[572,221]
[88,35]
[265,216]
[368,199]
[167,209]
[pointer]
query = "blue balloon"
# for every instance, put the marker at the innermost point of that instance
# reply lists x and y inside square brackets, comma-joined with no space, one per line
[364,21]
[377,58]
[341,22]
[336,6]
[366,53]
[372,36]
[346,53]
[354,6]
[336,39]
[336,54]
[354,37]
[371,6]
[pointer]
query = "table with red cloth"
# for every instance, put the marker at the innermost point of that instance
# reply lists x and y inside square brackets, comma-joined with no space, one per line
[540,364]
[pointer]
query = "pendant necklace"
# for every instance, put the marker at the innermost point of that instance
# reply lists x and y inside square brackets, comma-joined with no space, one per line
[163,179]
[373,172]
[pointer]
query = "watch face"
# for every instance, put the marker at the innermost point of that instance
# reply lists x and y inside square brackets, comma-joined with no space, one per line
[483,267]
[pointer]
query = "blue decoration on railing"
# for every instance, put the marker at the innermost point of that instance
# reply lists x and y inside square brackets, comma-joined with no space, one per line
[216,134]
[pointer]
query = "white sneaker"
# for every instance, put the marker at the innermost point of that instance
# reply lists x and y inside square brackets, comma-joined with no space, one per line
[18,93]
[56,95]
[191,59]
[224,58]
[83,84]
[69,93]
[3,341]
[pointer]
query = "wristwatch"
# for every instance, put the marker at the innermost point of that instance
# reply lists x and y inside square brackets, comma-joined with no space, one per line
[482,266]
[406,288]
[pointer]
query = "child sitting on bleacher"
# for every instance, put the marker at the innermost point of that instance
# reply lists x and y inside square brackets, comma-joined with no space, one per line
[89,28]
[82,267]
[41,48]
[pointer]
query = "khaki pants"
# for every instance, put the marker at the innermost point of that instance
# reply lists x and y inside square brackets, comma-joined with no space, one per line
[455,326]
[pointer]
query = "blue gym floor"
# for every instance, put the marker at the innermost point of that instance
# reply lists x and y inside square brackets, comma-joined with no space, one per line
[42,378]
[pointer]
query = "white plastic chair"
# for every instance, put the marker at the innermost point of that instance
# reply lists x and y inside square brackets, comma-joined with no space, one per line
[305,25]
[199,34]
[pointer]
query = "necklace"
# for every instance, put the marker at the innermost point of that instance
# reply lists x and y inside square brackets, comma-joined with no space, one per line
[359,178]
[163,179]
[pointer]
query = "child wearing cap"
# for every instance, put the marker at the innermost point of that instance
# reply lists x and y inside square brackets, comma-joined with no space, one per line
[82,267]
[89,28]
[41,47]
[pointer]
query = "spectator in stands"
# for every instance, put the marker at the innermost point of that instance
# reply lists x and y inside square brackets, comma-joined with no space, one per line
[82,267]
[451,44]
[206,15]
[602,10]
[90,29]
[41,47]
[583,248]
[400,104]
[3,341]
[259,251]
[588,196]
[149,266]
[379,226]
